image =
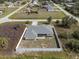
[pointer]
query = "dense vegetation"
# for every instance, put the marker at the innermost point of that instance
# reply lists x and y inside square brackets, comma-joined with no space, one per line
[73,8]
[49,19]
[68,21]
[69,33]
[73,45]
[76,34]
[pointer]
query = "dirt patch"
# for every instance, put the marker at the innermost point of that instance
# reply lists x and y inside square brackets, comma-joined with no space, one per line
[12,31]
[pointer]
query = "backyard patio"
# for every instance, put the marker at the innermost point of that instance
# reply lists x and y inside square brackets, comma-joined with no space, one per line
[39,43]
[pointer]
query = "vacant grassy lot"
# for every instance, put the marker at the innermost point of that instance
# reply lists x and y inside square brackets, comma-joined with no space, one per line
[7,11]
[42,13]
[12,32]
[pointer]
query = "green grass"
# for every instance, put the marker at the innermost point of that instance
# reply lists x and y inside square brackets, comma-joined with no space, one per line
[7,11]
[41,15]
[40,55]
[11,23]
[31,57]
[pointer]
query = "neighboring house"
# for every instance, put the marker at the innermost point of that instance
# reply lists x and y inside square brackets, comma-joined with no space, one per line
[38,32]
[48,7]
[35,2]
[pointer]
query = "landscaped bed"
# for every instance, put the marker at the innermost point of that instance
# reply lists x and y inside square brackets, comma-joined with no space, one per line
[12,33]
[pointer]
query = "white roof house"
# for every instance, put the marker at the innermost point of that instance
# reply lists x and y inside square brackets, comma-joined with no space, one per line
[35,2]
[35,31]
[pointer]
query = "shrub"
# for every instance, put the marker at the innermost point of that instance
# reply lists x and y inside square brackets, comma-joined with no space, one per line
[65,35]
[57,22]
[23,3]
[27,22]
[49,19]
[76,34]
[73,45]
[68,21]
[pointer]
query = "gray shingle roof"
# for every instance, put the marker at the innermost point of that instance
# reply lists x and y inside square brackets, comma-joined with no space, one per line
[33,31]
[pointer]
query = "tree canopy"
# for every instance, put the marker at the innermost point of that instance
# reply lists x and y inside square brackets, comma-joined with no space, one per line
[68,21]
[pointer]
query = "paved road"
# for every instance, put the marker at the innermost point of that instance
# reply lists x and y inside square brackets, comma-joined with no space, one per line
[23,20]
[65,12]
[3,20]
[34,21]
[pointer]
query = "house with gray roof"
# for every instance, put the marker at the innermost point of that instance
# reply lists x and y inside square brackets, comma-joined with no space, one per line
[47,6]
[38,31]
